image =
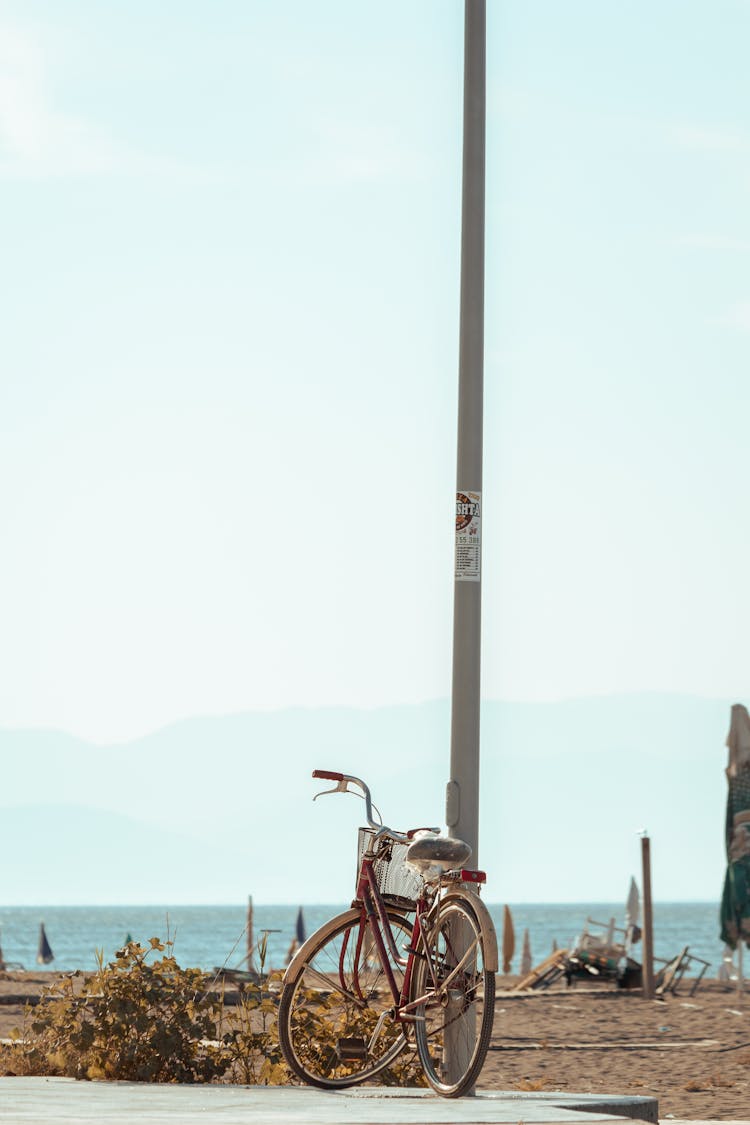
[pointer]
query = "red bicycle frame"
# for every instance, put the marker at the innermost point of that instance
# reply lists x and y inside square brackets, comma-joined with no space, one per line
[373,912]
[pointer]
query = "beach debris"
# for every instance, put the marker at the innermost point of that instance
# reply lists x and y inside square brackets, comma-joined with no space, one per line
[669,976]
[603,955]
[548,972]
[44,953]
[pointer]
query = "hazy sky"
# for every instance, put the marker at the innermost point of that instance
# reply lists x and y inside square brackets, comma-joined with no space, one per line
[229,252]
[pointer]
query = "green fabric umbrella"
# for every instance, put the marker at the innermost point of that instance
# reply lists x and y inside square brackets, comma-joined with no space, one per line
[735,901]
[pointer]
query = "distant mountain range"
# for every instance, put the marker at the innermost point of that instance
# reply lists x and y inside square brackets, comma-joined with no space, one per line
[214,808]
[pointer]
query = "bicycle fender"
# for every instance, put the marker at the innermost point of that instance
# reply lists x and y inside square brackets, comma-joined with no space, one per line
[489,936]
[297,963]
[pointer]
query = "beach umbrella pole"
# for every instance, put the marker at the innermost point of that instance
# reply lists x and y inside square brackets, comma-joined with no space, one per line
[250,957]
[740,981]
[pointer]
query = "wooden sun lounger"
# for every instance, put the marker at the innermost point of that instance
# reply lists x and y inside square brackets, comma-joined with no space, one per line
[669,976]
[545,974]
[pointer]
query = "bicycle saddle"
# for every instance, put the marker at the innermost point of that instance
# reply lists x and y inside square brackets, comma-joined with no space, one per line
[429,852]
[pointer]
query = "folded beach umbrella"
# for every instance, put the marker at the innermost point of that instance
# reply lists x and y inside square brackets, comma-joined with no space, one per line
[526,954]
[735,901]
[509,939]
[299,936]
[300,927]
[44,953]
[632,905]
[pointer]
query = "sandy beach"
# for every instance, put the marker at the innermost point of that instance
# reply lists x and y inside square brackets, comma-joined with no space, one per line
[690,1052]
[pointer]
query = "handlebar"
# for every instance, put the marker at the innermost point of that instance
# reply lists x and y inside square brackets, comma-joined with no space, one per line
[344,780]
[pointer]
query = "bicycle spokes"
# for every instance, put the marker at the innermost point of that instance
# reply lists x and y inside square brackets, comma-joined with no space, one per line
[338,1022]
[453,1000]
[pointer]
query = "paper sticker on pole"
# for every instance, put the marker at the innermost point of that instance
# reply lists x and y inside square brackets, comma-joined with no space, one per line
[468,536]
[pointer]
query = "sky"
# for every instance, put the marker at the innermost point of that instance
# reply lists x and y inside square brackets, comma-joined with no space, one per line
[229,267]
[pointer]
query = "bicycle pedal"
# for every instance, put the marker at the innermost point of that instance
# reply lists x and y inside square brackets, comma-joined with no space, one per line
[351,1047]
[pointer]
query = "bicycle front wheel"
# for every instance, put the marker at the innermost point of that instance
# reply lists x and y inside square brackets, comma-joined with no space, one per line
[335,1028]
[456,1000]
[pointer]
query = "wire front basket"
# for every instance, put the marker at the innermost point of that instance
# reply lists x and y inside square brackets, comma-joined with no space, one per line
[399,884]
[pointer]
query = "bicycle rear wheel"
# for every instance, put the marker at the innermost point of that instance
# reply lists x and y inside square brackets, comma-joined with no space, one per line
[333,1026]
[454,1022]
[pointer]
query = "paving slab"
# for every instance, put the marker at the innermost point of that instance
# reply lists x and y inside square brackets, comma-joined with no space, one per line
[37,1101]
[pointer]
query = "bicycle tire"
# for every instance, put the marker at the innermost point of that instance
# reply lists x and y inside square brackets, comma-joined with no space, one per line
[321,1016]
[454,1023]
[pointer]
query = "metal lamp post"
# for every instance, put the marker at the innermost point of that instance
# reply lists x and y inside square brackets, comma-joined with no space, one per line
[462,798]
[462,804]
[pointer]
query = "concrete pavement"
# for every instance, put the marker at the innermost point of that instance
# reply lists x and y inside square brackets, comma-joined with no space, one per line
[38,1101]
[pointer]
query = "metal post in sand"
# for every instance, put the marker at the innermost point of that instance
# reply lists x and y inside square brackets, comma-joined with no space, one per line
[648,921]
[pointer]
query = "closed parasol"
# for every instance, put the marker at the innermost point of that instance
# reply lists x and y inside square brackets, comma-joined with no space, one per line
[509,939]
[44,953]
[735,901]
[300,932]
[632,917]
[299,936]
[632,906]
[526,954]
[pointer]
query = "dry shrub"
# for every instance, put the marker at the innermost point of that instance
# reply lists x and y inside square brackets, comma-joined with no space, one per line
[135,1019]
[532,1084]
[142,1018]
[713,1082]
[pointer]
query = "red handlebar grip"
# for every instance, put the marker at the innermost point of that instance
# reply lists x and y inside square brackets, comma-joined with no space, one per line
[329,775]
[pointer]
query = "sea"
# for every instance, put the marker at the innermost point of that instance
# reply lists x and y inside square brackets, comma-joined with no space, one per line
[216,937]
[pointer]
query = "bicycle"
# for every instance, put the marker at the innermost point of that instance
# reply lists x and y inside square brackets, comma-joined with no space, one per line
[413,962]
